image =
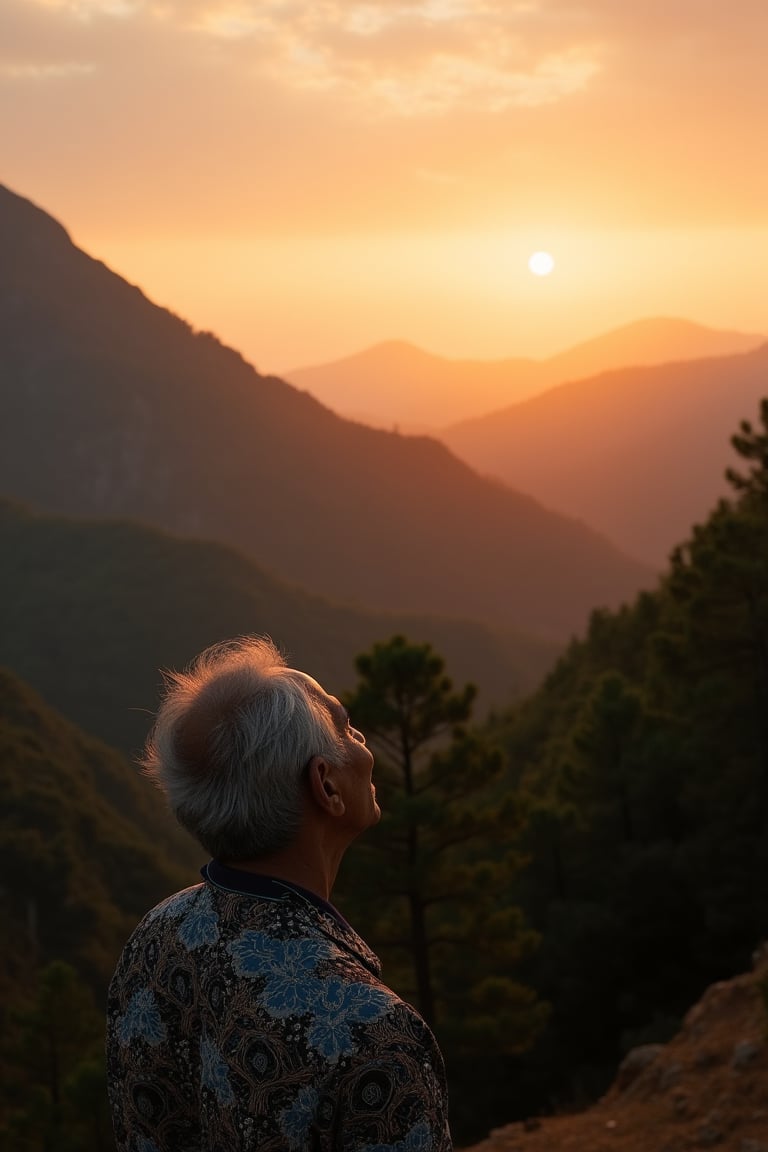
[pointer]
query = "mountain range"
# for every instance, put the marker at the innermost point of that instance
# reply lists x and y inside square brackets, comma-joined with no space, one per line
[113,407]
[638,453]
[396,383]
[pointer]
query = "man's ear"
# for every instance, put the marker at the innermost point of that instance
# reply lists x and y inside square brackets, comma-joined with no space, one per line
[322,777]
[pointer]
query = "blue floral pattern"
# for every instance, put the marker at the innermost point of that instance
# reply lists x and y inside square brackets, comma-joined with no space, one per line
[289,966]
[144,1145]
[296,1120]
[200,925]
[214,1074]
[419,1139]
[340,1005]
[141,1020]
[174,906]
[239,1022]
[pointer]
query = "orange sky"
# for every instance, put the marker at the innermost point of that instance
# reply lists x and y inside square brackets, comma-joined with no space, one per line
[306,177]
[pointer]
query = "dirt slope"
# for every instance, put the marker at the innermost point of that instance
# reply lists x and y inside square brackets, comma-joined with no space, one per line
[707,1088]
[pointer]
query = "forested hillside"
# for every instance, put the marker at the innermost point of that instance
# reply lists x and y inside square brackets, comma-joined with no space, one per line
[87,843]
[643,761]
[90,611]
[86,848]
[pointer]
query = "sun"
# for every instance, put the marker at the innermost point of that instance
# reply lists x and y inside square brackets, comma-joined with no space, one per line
[541,263]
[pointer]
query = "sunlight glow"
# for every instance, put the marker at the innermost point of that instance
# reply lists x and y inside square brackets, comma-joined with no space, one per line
[457,297]
[541,263]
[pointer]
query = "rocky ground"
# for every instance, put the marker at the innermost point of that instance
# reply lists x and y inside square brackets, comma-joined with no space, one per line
[707,1088]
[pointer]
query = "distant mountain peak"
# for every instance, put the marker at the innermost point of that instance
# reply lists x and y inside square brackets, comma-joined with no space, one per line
[399,353]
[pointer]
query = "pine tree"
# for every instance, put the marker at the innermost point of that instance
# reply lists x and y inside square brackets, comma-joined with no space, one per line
[430,885]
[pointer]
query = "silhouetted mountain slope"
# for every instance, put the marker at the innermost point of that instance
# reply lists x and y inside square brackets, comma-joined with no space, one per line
[397,383]
[113,407]
[640,454]
[90,611]
[86,844]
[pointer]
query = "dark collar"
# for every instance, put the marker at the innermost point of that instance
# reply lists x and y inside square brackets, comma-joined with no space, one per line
[266,888]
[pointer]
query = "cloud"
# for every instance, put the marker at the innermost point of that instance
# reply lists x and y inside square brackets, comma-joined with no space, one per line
[64,70]
[86,10]
[411,59]
[403,58]
[352,114]
[446,82]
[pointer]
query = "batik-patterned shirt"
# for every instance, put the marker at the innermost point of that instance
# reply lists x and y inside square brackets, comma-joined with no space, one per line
[245,1015]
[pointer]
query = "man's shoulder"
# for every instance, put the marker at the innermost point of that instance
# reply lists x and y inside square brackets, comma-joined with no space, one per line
[205,926]
[177,904]
[191,903]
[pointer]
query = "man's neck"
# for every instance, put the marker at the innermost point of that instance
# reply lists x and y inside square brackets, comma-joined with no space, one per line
[312,870]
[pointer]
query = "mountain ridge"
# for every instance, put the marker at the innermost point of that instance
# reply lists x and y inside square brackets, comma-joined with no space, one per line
[113,407]
[396,382]
[638,452]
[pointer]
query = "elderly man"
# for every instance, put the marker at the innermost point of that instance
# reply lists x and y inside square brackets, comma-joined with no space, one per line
[245,1013]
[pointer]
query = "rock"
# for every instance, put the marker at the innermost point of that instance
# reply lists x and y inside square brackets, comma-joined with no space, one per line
[670,1076]
[753,1146]
[744,1053]
[635,1062]
[681,1104]
[760,955]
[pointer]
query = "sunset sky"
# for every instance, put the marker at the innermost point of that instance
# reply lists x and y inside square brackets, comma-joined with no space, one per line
[307,177]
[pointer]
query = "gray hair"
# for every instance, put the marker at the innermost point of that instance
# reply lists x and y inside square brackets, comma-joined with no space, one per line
[233,735]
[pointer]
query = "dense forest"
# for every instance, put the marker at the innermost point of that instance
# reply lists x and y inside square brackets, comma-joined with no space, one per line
[552,887]
[616,823]
[643,761]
